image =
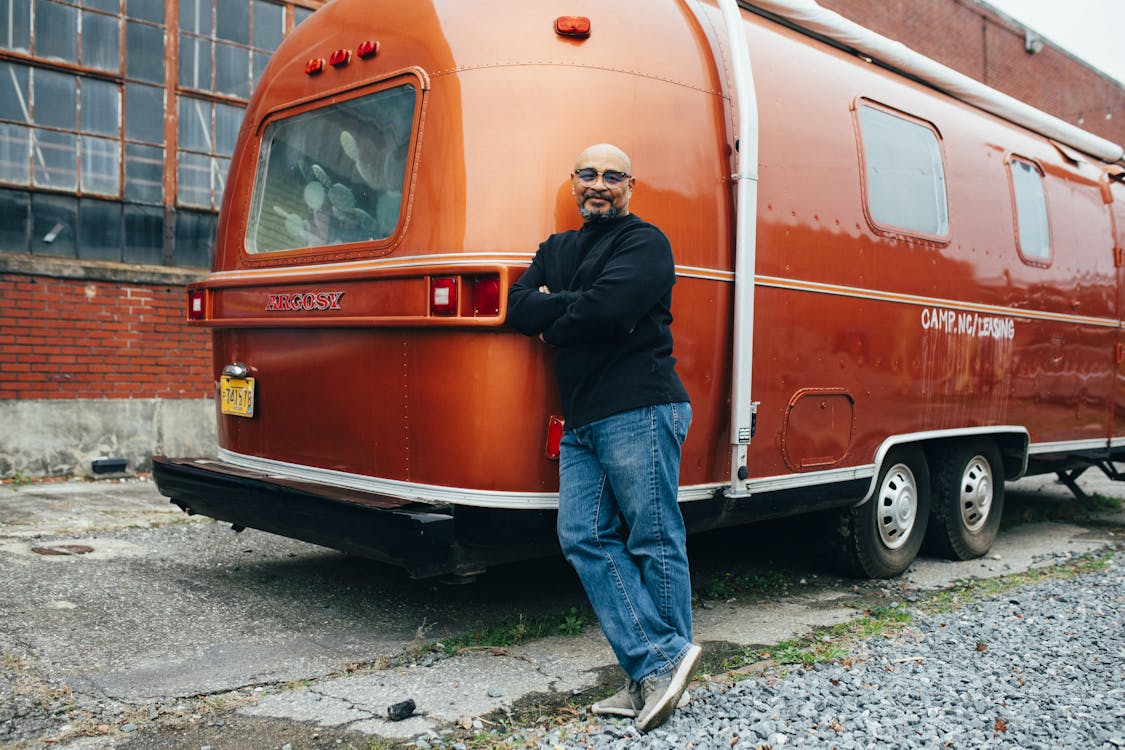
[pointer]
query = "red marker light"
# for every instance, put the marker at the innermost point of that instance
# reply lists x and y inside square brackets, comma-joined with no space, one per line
[555,427]
[340,58]
[443,296]
[314,66]
[486,295]
[573,26]
[197,304]
[367,49]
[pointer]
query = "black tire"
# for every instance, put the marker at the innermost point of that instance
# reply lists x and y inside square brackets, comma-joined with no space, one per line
[880,538]
[968,500]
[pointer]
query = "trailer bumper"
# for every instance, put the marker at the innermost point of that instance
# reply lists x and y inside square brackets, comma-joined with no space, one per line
[422,539]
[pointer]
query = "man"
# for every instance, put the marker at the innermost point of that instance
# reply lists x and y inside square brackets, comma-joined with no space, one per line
[601,295]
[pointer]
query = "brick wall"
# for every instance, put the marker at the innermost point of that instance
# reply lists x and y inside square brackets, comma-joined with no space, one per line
[63,338]
[987,47]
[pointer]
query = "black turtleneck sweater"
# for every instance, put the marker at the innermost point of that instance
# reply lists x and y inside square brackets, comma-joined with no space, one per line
[607,315]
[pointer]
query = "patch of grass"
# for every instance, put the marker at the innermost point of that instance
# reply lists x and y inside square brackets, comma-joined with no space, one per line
[730,585]
[965,592]
[1068,510]
[571,623]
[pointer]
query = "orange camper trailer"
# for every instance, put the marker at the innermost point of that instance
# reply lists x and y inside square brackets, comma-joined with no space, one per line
[897,288]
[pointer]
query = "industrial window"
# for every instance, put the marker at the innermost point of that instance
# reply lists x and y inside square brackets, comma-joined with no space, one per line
[904,179]
[87,163]
[1033,234]
[333,175]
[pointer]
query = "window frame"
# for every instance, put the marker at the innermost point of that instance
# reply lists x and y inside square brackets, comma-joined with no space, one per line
[883,228]
[349,250]
[1031,260]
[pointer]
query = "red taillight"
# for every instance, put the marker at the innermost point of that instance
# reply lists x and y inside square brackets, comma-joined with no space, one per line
[314,66]
[197,304]
[367,49]
[340,58]
[554,437]
[443,296]
[573,26]
[486,295]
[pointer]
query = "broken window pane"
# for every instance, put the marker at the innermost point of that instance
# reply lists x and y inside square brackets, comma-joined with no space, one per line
[53,225]
[144,52]
[101,41]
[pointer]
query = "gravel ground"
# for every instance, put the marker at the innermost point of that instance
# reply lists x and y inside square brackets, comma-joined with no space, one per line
[1038,666]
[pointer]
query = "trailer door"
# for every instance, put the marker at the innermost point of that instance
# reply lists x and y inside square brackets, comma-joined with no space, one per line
[1117,214]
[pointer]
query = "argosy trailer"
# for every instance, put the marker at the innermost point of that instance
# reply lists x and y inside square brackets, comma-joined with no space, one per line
[896,287]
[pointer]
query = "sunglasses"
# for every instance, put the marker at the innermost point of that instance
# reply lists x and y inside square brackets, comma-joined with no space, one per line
[611,177]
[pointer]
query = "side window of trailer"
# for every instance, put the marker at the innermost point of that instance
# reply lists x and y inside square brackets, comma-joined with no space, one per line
[334,174]
[904,178]
[1033,232]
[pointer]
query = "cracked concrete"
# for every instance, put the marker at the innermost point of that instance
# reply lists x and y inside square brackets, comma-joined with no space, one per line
[274,638]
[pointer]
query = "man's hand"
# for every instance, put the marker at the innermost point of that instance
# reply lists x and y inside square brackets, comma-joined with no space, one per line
[544,289]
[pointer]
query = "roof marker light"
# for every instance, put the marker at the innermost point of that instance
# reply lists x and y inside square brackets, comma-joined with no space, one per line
[367,49]
[340,57]
[314,66]
[573,26]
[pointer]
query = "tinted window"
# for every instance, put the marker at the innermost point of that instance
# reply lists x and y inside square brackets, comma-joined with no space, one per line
[1033,234]
[14,218]
[905,180]
[144,235]
[144,173]
[144,113]
[99,230]
[332,175]
[54,224]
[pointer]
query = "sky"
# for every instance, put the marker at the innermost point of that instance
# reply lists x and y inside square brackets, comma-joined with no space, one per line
[1088,29]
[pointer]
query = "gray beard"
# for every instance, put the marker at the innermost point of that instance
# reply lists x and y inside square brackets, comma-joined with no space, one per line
[602,217]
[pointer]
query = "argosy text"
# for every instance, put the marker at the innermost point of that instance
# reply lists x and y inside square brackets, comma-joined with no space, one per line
[307,301]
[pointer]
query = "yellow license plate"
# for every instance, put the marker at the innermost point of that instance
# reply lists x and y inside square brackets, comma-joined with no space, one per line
[237,396]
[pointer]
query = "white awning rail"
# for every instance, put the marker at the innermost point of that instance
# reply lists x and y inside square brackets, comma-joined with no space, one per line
[807,15]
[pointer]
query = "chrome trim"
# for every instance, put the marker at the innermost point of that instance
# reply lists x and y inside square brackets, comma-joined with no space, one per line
[920,437]
[418,492]
[236,370]
[1062,446]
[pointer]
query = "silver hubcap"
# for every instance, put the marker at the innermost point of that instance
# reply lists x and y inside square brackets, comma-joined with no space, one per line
[898,506]
[976,494]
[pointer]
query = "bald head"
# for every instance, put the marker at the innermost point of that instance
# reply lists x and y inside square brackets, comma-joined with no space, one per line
[602,182]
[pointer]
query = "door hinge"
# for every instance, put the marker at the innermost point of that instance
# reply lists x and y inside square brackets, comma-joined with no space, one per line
[1120,353]
[1119,256]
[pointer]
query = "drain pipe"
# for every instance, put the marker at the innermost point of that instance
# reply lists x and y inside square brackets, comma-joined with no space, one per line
[743,410]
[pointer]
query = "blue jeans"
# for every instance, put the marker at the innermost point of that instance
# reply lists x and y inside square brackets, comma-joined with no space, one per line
[621,528]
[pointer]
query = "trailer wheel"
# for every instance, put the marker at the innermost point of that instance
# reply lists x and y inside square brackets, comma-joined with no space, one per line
[968,499]
[880,538]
